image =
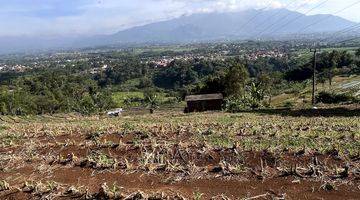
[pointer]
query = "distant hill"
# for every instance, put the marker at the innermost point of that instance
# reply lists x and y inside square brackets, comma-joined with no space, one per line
[20,44]
[231,25]
[193,28]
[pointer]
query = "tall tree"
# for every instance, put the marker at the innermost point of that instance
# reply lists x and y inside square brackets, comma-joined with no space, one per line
[334,60]
[236,78]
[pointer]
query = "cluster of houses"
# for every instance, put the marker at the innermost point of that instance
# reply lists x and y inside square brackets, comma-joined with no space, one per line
[166,60]
[13,68]
[265,54]
[98,70]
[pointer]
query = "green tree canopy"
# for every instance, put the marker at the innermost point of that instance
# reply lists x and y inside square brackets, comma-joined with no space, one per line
[236,79]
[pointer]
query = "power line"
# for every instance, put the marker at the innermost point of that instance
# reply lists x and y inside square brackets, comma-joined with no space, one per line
[300,16]
[278,12]
[343,31]
[278,21]
[256,15]
[348,29]
[327,17]
[348,40]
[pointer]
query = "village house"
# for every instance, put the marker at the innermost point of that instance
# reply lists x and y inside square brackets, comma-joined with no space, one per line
[204,102]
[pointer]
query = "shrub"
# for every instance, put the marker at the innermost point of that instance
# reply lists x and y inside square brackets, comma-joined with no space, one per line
[171,101]
[133,101]
[295,88]
[234,104]
[333,98]
[288,104]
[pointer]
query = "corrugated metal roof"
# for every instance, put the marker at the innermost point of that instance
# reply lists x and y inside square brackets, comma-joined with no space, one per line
[204,97]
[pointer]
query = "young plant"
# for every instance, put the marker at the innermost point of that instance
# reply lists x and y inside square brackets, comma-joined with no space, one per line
[4,185]
[198,195]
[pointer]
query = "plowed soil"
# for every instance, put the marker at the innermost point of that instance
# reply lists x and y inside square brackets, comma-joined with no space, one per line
[153,158]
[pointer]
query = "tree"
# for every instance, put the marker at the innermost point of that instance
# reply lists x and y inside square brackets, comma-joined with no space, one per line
[177,75]
[357,53]
[334,60]
[145,82]
[346,59]
[264,84]
[236,78]
[299,74]
[214,83]
[53,93]
[87,105]
[329,63]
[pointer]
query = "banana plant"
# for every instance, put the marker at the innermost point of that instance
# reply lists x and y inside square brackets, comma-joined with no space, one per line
[152,102]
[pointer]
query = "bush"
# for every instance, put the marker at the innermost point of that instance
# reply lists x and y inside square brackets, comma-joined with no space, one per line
[133,101]
[295,88]
[333,98]
[235,104]
[288,104]
[252,98]
[171,101]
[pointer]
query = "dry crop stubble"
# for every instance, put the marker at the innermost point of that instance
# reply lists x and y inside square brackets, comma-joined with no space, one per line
[203,155]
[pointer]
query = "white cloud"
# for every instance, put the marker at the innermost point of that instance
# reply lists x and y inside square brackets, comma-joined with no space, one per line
[108,16]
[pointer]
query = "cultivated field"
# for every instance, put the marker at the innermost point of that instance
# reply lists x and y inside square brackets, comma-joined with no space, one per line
[170,155]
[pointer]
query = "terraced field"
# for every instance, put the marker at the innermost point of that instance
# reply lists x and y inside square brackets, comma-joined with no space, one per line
[170,155]
[353,85]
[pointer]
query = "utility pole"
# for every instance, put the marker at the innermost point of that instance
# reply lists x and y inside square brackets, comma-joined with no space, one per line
[314,50]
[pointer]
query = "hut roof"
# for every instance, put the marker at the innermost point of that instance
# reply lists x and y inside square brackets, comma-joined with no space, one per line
[204,97]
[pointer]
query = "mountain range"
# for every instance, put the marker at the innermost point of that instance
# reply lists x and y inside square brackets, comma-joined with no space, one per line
[248,24]
[232,25]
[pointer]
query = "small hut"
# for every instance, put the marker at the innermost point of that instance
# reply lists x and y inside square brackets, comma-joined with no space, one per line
[204,102]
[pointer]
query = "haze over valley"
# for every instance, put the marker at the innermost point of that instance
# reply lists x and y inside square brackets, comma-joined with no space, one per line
[201,27]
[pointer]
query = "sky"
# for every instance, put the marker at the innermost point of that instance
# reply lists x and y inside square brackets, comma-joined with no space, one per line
[92,17]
